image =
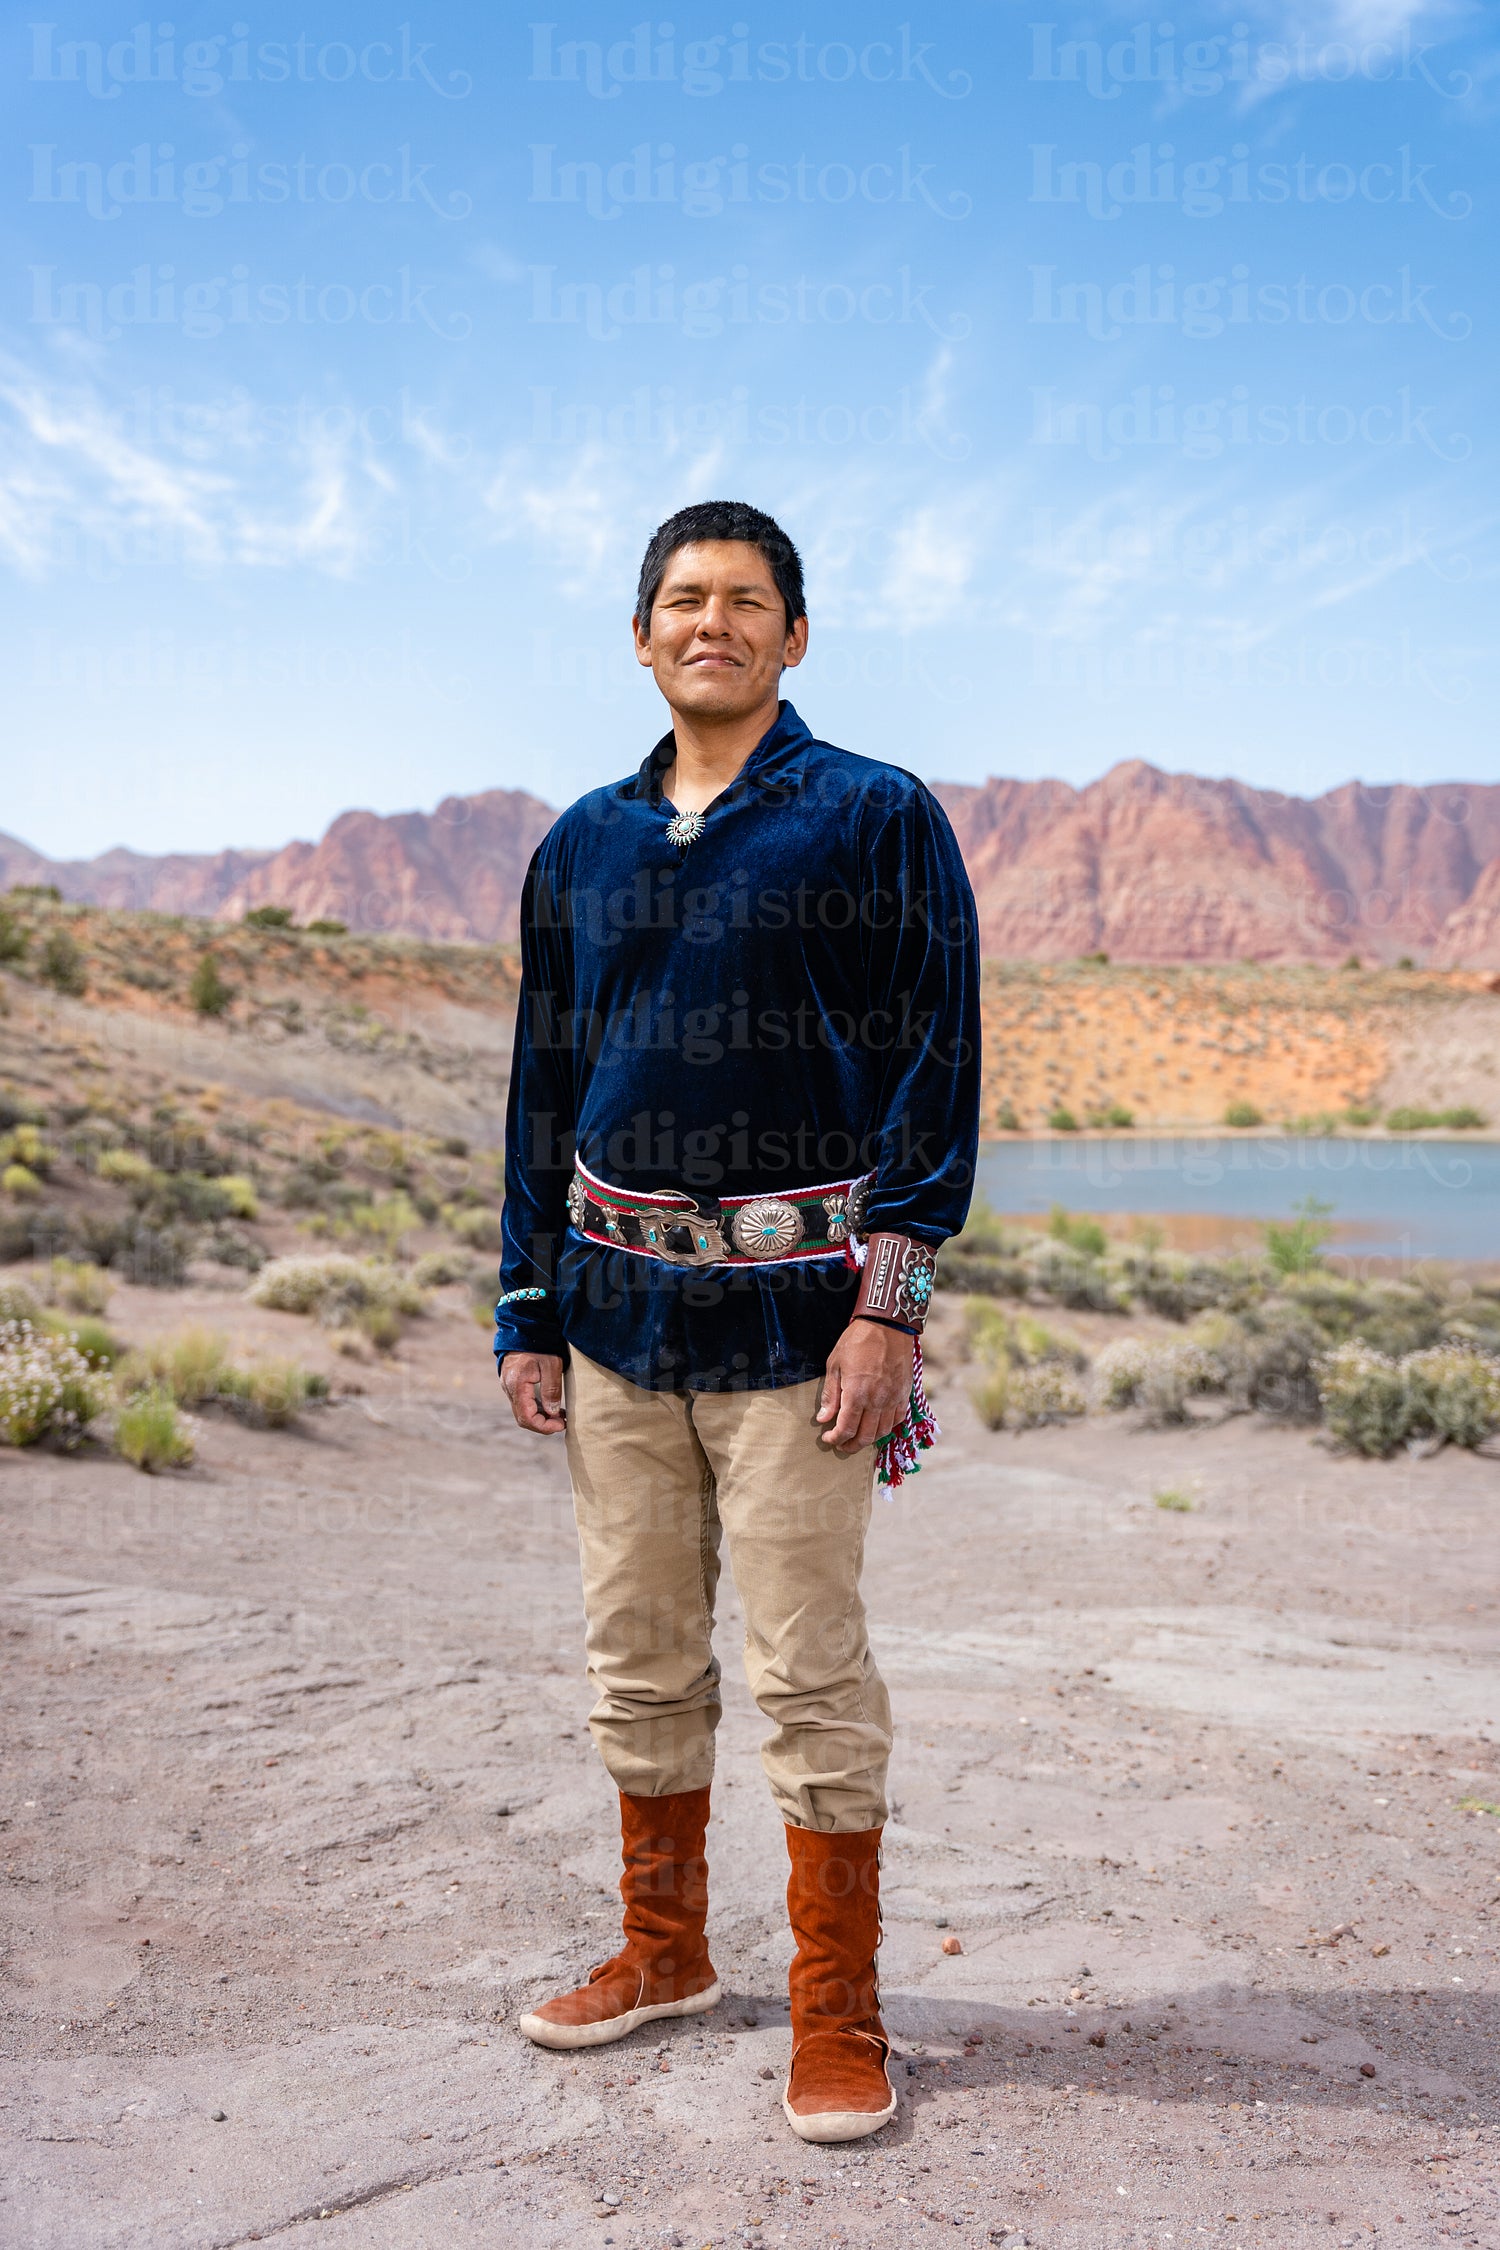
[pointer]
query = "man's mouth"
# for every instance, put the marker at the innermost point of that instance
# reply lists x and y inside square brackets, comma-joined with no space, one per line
[720,663]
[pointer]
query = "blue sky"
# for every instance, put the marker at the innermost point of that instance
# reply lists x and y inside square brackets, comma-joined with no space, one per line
[1128,389]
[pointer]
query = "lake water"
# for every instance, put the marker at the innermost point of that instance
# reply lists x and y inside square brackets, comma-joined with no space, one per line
[1391,1199]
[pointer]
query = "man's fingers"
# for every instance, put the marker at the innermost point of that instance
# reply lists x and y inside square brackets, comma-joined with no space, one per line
[829,1404]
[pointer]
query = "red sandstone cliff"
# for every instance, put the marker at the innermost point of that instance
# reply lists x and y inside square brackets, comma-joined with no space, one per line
[1142,865]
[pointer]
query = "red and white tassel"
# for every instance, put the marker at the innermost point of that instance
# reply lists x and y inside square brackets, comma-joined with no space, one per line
[899,1455]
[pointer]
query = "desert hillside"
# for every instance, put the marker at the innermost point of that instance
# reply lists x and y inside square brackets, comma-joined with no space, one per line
[303,1035]
[1142,865]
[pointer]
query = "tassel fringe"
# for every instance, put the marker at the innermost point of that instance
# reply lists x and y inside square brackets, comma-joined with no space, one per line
[899,1456]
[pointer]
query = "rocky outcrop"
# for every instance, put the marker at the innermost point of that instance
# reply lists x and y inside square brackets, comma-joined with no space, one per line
[1471,939]
[1150,866]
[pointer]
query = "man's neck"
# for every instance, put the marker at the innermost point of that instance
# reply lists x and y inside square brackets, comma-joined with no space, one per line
[710,753]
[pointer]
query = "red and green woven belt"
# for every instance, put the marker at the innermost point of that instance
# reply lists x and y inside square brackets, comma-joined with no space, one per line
[731,1230]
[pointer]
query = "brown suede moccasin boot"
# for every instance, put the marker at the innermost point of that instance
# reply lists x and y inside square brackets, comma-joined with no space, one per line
[663,1968]
[837,2089]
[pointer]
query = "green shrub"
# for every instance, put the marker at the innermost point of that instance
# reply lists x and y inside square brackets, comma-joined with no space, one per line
[1174,1500]
[992,1396]
[125,1167]
[1360,1116]
[1062,1120]
[1270,1367]
[192,1365]
[78,1285]
[1006,1120]
[438,1267]
[341,1291]
[270,1391]
[1296,1245]
[1114,1116]
[13,938]
[62,964]
[1242,1115]
[47,1388]
[208,992]
[1454,1392]
[479,1228]
[388,1220]
[1411,1120]
[21,1182]
[1178,1285]
[241,1201]
[1047,1392]
[1365,1398]
[17,1302]
[151,1433]
[269,918]
[1159,1378]
[24,1144]
[93,1342]
[228,1246]
[1072,1277]
[1079,1233]
[326,926]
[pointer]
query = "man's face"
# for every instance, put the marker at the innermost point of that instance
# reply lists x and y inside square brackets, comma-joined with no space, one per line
[717,638]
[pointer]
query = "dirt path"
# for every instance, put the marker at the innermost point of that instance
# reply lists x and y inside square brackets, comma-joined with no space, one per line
[301,1809]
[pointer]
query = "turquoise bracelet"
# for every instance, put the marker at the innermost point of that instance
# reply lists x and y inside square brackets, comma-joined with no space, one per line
[518,1297]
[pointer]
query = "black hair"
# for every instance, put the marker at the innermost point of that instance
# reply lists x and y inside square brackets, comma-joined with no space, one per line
[722,519]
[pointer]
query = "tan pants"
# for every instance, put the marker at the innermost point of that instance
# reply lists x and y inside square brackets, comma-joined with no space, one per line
[657,1480]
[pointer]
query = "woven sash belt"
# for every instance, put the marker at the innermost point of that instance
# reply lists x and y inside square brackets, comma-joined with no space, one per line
[731,1230]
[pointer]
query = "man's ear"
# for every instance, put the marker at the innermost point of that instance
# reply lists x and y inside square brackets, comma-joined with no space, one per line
[642,636]
[796,644]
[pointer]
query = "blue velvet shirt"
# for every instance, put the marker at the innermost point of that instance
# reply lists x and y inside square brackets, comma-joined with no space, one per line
[792,999]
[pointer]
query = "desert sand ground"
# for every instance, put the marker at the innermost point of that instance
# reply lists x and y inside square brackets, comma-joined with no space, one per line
[302,1810]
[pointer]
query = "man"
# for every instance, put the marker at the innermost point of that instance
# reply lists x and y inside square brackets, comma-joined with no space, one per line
[742,1118]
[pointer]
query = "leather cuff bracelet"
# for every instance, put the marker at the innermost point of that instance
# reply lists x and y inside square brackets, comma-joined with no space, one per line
[895,1282]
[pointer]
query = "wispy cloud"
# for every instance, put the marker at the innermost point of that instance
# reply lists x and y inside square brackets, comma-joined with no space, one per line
[213,486]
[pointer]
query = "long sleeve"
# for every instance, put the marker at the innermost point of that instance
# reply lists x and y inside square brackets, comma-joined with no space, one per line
[924,1001]
[540,1123]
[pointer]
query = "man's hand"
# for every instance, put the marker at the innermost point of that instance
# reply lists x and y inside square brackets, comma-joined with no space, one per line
[867,1386]
[533,1382]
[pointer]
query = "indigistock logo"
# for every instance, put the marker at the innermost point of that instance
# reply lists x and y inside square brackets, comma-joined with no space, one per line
[150,177]
[151,55]
[650,177]
[1153,55]
[199,310]
[657,416]
[1153,416]
[214,670]
[1150,176]
[1203,308]
[652,55]
[655,297]
[221,425]
[1211,666]
[1215,549]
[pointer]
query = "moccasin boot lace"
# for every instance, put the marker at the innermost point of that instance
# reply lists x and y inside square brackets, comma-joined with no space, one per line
[663,1968]
[838,2089]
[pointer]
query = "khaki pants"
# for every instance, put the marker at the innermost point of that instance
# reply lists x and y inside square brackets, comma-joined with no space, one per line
[658,1480]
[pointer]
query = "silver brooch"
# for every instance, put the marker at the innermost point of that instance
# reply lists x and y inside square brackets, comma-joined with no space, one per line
[685,828]
[837,1207]
[767,1228]
[577,1200]
[859,1201]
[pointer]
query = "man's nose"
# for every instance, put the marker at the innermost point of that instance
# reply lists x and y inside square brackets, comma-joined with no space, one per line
[715,619]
